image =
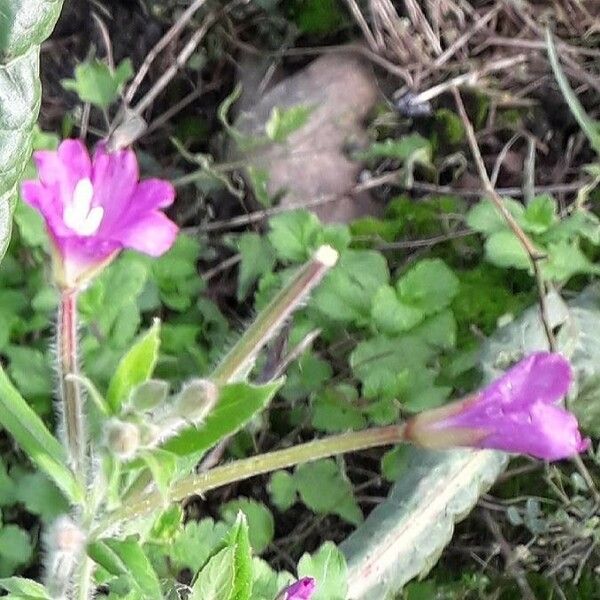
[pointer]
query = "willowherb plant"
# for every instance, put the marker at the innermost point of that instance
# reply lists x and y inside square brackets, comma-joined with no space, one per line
[131,451]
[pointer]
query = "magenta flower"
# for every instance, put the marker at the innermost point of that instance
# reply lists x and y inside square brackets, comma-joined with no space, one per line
[516,413]
[303,589]
[93,208]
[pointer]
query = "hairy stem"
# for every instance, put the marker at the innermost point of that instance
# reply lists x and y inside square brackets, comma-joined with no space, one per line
[241,357]
[144,504]
[85,585]
[73,424]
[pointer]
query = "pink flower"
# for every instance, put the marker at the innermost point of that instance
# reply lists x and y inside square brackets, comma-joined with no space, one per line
[303,589]
[516,413]
[93,208]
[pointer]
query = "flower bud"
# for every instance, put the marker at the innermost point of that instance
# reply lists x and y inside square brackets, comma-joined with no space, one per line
[148,395]
[517,412]
[196,400]
[303,589]
[122,438]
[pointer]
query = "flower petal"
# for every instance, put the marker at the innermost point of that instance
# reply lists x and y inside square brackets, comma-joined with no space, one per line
[114,177]
[153,233]
[303,589]
[542,376]
[61,170]
[151,194]
[546,431]
[47,203]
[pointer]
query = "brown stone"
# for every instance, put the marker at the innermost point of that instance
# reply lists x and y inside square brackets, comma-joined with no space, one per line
[312,162]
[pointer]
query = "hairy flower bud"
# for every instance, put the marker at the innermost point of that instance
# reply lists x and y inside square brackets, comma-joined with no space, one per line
[148,395]
[196,399]
[122,438]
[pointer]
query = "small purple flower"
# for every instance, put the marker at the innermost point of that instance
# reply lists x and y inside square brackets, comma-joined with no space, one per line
[303,589]
[515,413]
[95,207]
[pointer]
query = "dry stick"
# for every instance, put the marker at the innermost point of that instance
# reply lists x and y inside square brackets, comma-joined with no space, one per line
[529,172]
[180,61]
[534,254]
[512,565]
[362,23]
[469,78]
[420,22]
[463,39]
[184,19]
[318,50]
[391,178]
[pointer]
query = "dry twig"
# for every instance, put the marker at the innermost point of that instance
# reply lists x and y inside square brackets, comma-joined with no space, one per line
[535,256]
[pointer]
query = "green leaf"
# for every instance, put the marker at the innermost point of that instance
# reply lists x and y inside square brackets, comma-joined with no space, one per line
[126,557]
[305,376]
[259,180]
[194,545]
[485,218]
[25,23]
[25,588]
[162,465]
[579,223]
[15,545]
[386,366]
[267,582]
[566,259]
[325,489]
[401,149]
[318,16]
[168,525]
[7,487]
[294,235]
[176,274]
[395,462]
[284,121]
[346,292]
[40,496]
[215,581]
[135,368]
[430,285]
[97,84]
[282,489]
[390,315]
[238,538]
[261,525]
[335,410]
[504,249]
[238,403]
[408,531]
[31,371]
[36,441]
[257,258]
[540,214]
[328,567]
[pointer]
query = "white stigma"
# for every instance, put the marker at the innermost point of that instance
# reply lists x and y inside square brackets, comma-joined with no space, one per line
[78,214]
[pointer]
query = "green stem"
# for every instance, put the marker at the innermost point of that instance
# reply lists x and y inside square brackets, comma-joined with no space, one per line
[240,358]
[85,587]
[73,424]
[239,470]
